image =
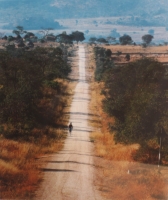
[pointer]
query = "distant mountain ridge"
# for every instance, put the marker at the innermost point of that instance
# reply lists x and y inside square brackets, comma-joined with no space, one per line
[35,13]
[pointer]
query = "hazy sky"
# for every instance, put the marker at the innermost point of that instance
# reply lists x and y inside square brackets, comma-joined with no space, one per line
[97,16]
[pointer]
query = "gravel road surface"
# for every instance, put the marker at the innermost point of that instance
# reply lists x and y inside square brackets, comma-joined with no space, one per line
[69,174]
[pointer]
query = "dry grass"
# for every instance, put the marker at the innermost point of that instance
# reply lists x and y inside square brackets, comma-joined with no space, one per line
[138,49]
[118,176]
[18,169]
[136,52]
[20,163]
[130,181]
[106,148]
[39,44]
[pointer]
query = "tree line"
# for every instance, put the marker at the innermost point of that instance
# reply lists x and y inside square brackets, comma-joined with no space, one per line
[136,96]
[124,40]
[21,37]
[24,75]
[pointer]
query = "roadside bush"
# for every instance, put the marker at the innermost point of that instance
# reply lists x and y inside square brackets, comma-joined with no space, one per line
[23,77]
[53,84]
[103,62]
[136,96]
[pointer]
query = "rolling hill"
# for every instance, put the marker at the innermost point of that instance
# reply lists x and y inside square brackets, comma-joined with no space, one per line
[35,13]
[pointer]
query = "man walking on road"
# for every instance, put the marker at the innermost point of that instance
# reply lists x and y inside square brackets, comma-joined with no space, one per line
[70,127]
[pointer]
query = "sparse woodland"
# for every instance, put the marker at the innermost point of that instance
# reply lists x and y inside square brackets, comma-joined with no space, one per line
[33,94]
[136,96]
[24,77]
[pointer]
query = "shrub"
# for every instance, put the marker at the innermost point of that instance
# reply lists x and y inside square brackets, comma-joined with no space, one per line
[136,98]
[53,84]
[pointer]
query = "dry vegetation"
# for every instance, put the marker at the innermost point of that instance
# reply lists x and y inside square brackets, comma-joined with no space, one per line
[19,166]
[118,176]
[3,43]
[20,161]
[136,52]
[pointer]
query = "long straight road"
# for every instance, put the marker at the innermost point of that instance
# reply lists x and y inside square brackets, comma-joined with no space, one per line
[69,173]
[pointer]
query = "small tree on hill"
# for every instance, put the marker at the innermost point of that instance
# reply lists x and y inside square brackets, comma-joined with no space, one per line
[45,32]
[77,36]
[125,39]
[64,38]
[147,39]
[19,30]
[28,35]
[127,57]
[108,53]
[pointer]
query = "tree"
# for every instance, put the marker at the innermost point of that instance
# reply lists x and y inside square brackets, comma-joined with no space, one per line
[19,30]
[147,39]
[125,39]
[103,62]
[4,37]
[127,57]
[45,31]
[64,38]
[50,37]
[21,82]
[119,53]
[21,44]
[77,36]
[29,35]
[11,38]
[108,53]
[30,44]
[139,104]
[22,79]
[102,40]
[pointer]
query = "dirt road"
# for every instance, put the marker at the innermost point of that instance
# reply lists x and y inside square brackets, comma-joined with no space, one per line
[69,173]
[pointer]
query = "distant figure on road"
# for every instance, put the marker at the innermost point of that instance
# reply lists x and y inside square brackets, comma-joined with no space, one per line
[70,127]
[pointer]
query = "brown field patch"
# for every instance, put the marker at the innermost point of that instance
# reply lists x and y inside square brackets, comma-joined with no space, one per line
[159,53]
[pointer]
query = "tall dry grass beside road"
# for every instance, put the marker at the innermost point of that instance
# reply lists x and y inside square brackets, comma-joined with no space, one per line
[19,165]
[118,176]
[19,173]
